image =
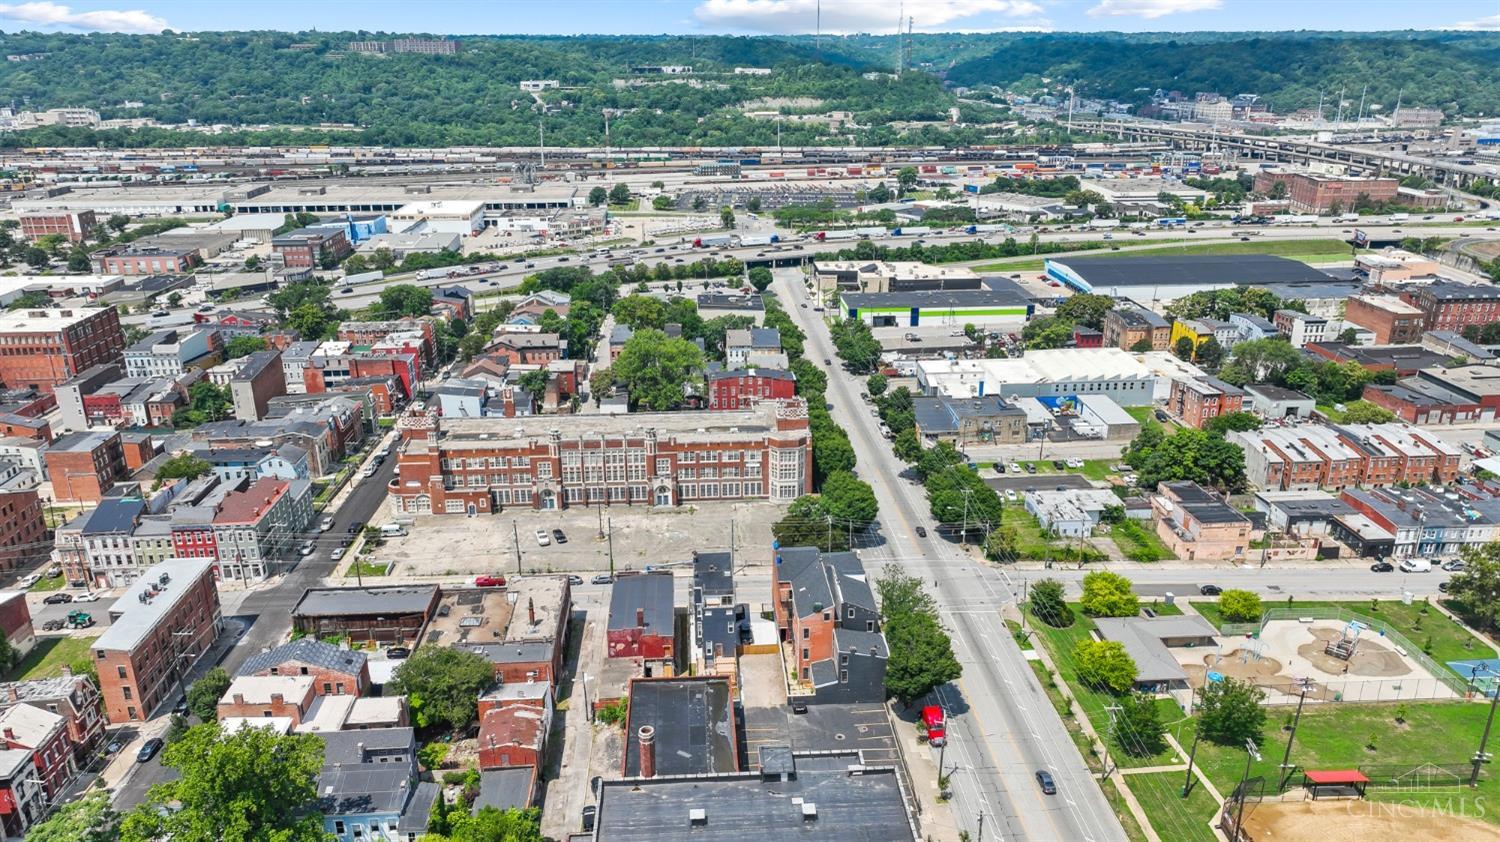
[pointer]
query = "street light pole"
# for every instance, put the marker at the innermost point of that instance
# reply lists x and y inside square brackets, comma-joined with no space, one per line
[1480,758]
[1296,720]
[1251,751]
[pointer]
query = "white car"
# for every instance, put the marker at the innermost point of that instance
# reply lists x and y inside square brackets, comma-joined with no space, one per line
[1075,463]
[1015,467]
[338,553]
[1011,496]
[306,549]
[325,524]
[86,597]
[542,538]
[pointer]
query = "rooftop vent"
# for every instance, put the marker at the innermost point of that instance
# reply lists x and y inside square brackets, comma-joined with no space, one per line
[698,817]
[809,811]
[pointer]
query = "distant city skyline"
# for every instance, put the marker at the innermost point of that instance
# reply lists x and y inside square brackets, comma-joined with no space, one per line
[748,17]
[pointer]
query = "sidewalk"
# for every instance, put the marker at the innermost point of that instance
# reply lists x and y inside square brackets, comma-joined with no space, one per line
[935,817]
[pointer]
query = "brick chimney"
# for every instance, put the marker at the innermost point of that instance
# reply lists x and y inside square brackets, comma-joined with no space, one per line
[640,618]
[530,611]
[276,699]
[10,734]
[10,693]
[239,698]
[647,737]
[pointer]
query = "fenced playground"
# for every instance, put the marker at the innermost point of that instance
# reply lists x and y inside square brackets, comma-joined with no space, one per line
[1331,654]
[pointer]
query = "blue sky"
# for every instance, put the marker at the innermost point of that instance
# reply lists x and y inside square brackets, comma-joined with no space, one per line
[572,17]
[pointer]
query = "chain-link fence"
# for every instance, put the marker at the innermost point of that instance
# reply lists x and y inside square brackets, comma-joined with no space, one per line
[1456,685]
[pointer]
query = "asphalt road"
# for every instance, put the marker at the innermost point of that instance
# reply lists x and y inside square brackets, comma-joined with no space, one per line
[269,614]
[1002,729]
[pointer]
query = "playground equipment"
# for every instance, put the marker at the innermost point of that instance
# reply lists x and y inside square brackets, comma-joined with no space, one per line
[1348,641]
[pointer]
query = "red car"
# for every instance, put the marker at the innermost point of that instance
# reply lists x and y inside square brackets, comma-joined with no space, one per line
[932,717]
[489,581]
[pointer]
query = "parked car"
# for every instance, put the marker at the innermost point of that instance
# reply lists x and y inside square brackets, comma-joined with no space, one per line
[1443,586]
[1059,464]
[86,597]
[575,580]
[1011,496]
[1382,567]
[799,707]
[1015,467]
[589,810]
[181,708]
[114,745]
[397,653]
[355,527]
[542,538]
[58,598]
[559,537]
[485,581]
[921,532]
[1210,590]
[1030,467]
[1456,565]
[1416,565]
[148,750]
[54,571]
[338,553]
[602,579]
[1044,779]
[325,524]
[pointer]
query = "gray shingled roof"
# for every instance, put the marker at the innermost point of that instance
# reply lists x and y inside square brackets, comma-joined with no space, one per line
[307,651]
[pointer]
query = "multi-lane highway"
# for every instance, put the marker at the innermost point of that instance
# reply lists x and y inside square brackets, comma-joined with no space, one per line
[1002,727]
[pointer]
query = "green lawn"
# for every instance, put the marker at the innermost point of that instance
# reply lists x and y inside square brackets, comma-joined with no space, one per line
[1139,542]
[1336,737]
[366,568]
[1307,251]
[1173,817]
[1030,542]
[1060,643]
[1143,414]
[51,583]
[50,655]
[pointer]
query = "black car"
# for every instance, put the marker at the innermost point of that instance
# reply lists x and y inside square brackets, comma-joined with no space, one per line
[1161,416]
[397,653]
[827,361]
[1210,590]
[1382,567]
[1044,779]
[921,532]
[589,812]
[1443,586]
[181,708]
[799,707]
[1059,464]
[148,750]
[355,527]
[559,537]
[58,598]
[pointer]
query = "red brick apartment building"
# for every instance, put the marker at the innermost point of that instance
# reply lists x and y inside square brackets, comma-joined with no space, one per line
[146,261]
[15,621]
[1312,456]
[160,627]
[1315,193]
[23,531]
[642,624]
[308,248]
[41,348]
[740,388]
[83,465]
[1129,324]
[75,225]
[74,697]
[1393,321]
[1198,401]
[487,465]
[374,333]
[1454,306]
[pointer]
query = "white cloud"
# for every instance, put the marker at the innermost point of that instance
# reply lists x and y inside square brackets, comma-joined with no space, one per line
[786,17]
[1149,9]
[102,20]
[1491,23]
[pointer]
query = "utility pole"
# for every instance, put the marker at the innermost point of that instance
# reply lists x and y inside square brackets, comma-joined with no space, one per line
[1111,710]
[516,534]
[980,836]
[541,135]
[964,536]
[611,548]
[600,510]
[1480,757]
[1286,768]
[1187,783]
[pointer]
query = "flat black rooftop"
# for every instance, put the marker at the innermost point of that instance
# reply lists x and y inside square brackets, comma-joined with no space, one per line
[1190,269]
[694,722]
[824,801]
